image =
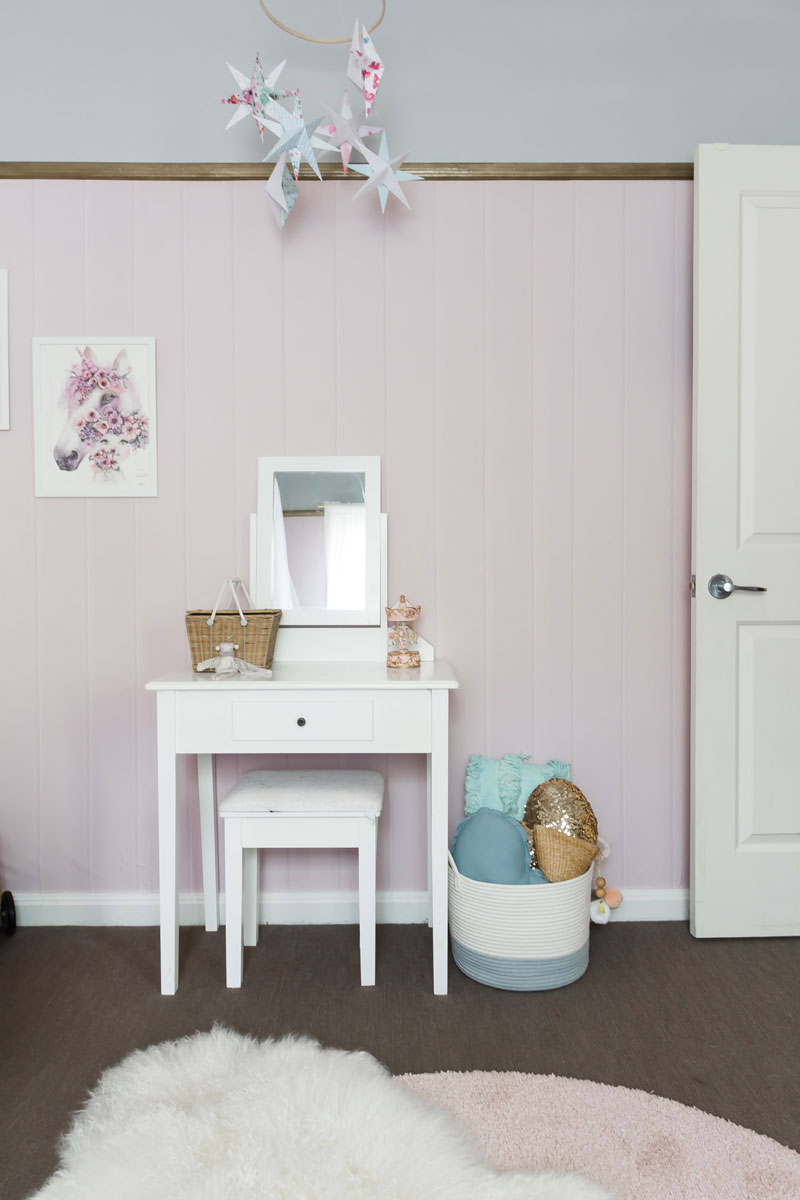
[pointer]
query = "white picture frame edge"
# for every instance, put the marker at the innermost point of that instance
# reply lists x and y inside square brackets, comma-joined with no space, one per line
[41,489]
[5,366]
[370,615]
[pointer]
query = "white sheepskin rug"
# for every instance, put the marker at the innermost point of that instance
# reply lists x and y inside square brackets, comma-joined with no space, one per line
[218,1116]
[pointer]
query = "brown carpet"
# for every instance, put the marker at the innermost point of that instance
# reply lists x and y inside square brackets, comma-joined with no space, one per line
[711,1024]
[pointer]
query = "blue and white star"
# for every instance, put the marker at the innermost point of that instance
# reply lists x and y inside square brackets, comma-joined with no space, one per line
[295,136]
[281,190]
[383,174]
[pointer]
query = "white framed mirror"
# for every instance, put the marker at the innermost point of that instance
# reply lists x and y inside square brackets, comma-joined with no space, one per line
[318,553]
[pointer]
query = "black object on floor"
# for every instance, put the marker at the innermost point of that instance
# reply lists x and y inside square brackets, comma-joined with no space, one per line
[8,913]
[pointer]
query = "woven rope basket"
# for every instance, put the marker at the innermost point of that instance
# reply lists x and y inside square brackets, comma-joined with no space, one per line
[256,640]
[520,937]
[253,630]
[561,857]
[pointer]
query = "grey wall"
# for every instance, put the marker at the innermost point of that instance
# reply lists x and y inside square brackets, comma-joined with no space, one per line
[510,80]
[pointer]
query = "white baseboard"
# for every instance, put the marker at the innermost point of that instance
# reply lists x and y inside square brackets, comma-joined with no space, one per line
[653,904]
[291,908]
[277,908]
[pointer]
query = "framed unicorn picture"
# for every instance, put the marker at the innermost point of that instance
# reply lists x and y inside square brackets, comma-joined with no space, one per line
[94,406]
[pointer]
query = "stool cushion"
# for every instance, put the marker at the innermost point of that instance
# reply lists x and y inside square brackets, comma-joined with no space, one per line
[306,791]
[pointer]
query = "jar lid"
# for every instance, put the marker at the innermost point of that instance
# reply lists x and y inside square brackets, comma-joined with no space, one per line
[403,611]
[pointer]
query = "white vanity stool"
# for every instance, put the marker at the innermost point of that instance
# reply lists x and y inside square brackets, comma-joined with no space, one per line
[297,809]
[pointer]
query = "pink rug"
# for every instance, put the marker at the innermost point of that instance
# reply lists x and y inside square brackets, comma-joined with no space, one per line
[641,1147]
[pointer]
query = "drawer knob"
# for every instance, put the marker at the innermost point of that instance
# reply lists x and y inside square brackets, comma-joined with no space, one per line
[301,721]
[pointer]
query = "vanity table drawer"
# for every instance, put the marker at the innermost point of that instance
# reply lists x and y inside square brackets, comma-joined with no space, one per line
[291,721]
[303,721]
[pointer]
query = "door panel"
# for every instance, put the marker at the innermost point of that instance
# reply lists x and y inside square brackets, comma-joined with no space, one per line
[769,746]
[770,356]
[745,868]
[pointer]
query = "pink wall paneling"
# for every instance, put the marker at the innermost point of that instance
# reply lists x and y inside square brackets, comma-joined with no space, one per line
[518,354]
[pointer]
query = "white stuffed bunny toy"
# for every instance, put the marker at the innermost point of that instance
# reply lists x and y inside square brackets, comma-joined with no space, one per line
[227,666]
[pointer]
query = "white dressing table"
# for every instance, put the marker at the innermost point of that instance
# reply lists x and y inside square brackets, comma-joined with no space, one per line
[305,708]
[330,693]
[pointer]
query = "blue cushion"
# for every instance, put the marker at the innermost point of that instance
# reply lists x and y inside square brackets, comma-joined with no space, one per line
[506,783]
[492,848]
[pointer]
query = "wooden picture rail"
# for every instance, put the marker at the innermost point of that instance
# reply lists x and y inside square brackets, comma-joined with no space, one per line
[258,171]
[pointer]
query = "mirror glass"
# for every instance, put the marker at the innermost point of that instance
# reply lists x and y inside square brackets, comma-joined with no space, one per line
[318,540]
[325,529]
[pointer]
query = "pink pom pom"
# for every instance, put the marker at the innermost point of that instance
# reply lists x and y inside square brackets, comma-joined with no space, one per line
[613,897]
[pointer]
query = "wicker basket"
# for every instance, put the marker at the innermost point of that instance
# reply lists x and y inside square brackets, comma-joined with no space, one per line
[254,630]
[522,938]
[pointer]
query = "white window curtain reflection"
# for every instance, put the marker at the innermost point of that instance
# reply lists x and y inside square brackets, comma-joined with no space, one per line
[283,594]
[345,555]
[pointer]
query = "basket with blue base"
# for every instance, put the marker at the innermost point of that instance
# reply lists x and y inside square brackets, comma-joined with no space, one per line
[520,938]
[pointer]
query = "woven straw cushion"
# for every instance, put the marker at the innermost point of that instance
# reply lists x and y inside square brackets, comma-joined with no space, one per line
[305,791]
[560,856]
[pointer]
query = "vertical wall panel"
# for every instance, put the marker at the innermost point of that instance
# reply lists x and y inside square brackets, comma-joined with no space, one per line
[599,448]
[59,274]
[408,471]
[509,470]
[553,368]
[258,383]
[20,812]
[310,323]
[360,364]
[111,570]
[648,585]
[518,354]
[210,418]
[161,589]
[460,433]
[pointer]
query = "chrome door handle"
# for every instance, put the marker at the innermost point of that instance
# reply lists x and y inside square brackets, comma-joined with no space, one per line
[722,586]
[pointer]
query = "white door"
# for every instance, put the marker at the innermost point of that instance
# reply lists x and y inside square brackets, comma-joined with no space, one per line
[745,869]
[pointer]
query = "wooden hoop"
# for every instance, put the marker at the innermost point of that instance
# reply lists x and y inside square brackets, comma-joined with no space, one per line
[320,41]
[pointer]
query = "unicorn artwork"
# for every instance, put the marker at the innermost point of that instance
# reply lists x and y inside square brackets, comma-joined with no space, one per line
[102,427]
[104,422]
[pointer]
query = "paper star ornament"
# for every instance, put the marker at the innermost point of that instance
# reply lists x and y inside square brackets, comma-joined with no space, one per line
[295,135]
[254,92]
[281,190]
[382,173]
[276,127]
[345,131]
[365,67]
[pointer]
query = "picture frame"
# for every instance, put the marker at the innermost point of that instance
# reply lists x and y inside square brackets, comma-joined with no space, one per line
[5,414]
[94,411]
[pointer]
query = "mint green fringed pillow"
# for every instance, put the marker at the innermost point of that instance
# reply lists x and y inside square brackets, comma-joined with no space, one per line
[505,784]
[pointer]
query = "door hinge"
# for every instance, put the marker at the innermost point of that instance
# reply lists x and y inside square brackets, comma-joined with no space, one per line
[693,586]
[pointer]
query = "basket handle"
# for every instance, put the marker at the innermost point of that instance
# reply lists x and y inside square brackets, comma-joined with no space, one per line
[231,583]
[236,581]
[456,872]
